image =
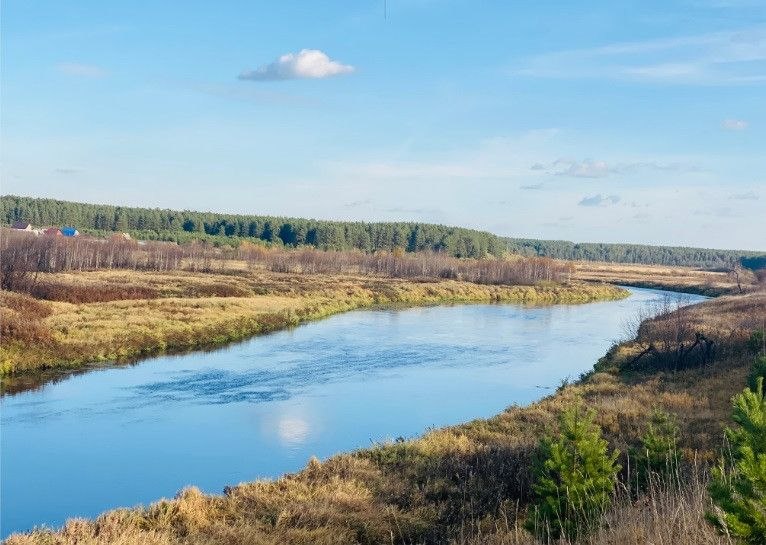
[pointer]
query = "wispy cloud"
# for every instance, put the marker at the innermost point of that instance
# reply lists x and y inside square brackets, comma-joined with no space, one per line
[599,200]
[719,58]
[734,124]
[531,187]
[592,168]
[81,70]
[357,204]
[306,64]
[747,196]
[581,169]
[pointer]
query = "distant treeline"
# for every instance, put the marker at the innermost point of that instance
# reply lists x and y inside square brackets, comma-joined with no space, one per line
[232,229]
[184,226]
[637,253]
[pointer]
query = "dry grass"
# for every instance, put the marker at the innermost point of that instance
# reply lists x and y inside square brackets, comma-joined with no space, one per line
[684,279]
[672,512]
[188,310]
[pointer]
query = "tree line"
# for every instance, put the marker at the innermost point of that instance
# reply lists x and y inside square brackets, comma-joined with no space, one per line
[232,229]
[638,253]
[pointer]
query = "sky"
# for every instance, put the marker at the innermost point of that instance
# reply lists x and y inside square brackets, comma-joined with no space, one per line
[640,121]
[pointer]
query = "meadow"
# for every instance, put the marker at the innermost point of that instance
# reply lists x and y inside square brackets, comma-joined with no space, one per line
[702,281]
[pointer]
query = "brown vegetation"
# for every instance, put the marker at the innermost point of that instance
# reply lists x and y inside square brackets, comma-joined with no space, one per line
[26,255]
[678,336]
[676,278]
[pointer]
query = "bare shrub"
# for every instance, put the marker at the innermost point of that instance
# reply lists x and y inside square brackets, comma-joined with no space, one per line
[25,255]
[400,265]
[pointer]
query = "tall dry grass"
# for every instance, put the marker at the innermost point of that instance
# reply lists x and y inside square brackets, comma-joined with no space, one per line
[670,512]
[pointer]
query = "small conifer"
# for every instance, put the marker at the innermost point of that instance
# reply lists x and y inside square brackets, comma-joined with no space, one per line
[738,488]
[575,477]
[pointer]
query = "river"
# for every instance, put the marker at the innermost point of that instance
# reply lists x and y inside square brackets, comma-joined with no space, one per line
[125,435]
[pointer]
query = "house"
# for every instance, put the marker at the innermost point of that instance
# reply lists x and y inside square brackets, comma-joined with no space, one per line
[70,232]
[52,231]
[22,226]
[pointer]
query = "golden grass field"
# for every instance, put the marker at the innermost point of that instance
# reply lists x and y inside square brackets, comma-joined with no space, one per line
[129,314]
[684,279]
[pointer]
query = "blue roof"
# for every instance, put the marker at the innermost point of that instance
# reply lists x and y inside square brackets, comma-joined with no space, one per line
[68,231]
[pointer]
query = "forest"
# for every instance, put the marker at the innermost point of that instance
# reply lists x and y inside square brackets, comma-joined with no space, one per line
[637,253]
[230,229]
[233,229]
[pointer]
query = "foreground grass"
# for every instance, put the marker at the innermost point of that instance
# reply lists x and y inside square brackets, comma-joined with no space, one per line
[469,483]
[104,316]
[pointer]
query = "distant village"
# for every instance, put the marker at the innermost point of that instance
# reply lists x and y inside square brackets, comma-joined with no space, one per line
[65,231]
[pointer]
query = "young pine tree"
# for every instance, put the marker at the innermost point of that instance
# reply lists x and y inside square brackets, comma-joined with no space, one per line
[738,488]
[575,477]
[658,454]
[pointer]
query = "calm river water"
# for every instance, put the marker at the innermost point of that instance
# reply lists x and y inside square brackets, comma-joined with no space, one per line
[126,435]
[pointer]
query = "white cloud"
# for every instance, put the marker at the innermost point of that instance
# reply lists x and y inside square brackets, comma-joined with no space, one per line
[591,168]
[599,200]
[747,196]
[81,70]
[719,58]
[581,169]
[734,124]
[306,64]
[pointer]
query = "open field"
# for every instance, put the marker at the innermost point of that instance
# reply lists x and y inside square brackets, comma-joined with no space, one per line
[471,483]
[118,315]
[676,278]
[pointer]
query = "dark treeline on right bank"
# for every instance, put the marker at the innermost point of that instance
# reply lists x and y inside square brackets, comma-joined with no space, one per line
[638,253]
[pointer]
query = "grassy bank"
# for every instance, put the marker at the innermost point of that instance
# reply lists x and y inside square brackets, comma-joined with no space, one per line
[675,278]
[470,483]
[104,316]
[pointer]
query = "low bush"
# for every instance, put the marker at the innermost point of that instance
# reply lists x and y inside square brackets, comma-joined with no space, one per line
[575,478]
[659,455]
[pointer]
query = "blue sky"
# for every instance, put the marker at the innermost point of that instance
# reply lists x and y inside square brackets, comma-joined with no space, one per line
[599,121]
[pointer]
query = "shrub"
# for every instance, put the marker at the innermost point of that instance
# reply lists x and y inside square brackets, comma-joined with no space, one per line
[658,454]
[575,476]
[738,488]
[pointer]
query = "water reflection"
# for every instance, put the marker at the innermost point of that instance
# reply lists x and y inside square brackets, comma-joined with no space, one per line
[293,431]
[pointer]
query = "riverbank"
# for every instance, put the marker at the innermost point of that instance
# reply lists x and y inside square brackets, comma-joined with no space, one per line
[469,483]
[108,316]
[674,278]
